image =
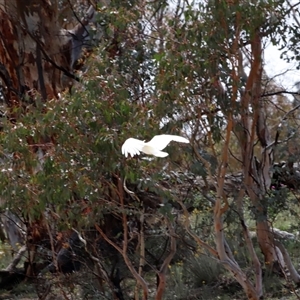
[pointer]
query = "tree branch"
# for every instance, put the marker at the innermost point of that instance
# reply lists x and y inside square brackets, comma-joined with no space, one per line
[279,92]
[164,268]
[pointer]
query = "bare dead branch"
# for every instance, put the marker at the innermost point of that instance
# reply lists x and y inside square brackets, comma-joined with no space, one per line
[295,13]
[293,272]
[279,92]
[16,260]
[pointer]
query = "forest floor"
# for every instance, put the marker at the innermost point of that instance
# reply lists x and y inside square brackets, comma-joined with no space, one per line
[275,288]
[221,287]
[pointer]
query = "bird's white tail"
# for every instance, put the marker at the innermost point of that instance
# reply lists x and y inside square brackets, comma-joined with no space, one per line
[160,154]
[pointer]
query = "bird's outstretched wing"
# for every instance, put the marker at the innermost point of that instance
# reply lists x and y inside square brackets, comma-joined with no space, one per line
[132,146]
[161,141]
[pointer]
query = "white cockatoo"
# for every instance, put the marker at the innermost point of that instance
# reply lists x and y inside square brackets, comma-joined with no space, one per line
[159,142]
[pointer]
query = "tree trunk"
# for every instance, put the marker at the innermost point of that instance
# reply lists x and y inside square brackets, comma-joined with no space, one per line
[224,255]
[36,53]
[257,175]
[162,274]
[288,262]
[266,244]
[13,229]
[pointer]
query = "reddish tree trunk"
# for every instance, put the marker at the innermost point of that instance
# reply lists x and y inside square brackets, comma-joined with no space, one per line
[36,54]
[257,175]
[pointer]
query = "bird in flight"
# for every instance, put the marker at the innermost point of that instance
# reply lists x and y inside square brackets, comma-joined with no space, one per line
[159,142]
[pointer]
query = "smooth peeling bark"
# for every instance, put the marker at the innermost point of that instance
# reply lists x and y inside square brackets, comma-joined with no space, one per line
[267,245]
[229,263]
[257,175]
[36,54]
